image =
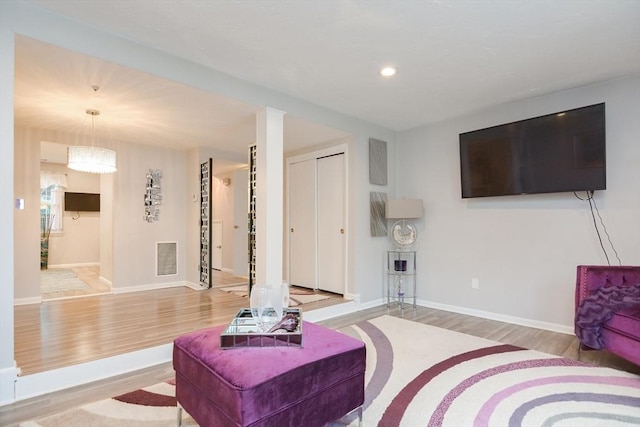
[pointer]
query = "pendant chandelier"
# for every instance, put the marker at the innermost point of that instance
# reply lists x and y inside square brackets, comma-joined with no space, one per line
[91,158]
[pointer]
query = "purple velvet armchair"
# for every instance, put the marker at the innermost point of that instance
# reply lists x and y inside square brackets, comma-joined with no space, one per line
[607,312]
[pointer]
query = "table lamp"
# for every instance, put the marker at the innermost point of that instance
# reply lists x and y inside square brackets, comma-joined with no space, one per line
[403,232]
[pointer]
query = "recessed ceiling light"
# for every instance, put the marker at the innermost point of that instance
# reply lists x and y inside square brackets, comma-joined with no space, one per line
[388,71]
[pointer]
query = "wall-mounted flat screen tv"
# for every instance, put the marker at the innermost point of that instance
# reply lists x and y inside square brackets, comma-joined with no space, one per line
[559,152]
[81,202]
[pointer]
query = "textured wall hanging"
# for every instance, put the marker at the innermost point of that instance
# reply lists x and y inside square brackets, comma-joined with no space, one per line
[206,187]
[153,196]
[378,203]
[377,162]
[253,158]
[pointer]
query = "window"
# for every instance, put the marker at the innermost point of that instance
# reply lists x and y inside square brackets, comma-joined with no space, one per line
[52,187]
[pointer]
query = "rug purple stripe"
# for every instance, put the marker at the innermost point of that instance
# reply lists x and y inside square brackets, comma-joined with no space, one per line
[382,372]
[146,398]
[384,362]
[519,414]
[485,413]
[398,406]
[443,407]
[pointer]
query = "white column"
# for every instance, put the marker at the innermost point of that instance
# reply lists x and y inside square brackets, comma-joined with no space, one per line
[269,196]
[8,370]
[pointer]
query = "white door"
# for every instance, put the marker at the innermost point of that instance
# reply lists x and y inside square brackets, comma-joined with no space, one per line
[216,254]
[241,222]
[331,223]
[302,224]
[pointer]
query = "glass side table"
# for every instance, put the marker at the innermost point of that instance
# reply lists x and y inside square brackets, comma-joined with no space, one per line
[401,278]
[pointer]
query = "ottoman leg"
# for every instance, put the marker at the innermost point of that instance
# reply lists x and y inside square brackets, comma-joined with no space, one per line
[179,420]
[357,411]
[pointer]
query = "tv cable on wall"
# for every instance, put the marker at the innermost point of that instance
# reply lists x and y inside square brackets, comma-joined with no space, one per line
[592,204]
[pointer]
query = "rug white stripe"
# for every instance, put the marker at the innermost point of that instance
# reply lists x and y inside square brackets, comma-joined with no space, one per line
[114,409]
[162,388]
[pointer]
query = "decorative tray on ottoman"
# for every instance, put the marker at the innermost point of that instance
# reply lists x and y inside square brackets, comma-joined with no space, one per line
[243,332]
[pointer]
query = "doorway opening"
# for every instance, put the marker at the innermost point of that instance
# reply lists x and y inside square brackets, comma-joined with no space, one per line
[69,240]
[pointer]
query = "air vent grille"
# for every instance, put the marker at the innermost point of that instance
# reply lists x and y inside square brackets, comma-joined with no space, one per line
[166,258]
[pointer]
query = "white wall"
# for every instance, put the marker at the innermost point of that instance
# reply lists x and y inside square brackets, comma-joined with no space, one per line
[8,370]
[523,249]
[26,231]
[134,244]
[365,252]
[130,243]
[107,187]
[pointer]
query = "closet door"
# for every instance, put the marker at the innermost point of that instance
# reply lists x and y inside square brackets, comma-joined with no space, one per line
[331,223]
[302,224]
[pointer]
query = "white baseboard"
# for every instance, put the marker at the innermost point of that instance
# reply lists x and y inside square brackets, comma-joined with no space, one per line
[121,290]
[371,304]
[58,379]
[27,301]
[325,313]
[82,264]
[148,287]
[352,297]
[345,308]
[8,379]
[105,281]
[553,327]
[196,286]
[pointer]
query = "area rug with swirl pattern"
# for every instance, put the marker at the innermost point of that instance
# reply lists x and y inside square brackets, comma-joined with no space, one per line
[421,375]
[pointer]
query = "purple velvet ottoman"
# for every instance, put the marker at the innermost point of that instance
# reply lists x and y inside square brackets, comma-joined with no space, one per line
[272,386]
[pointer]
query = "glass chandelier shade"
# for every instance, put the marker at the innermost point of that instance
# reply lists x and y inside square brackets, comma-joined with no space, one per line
[91,158]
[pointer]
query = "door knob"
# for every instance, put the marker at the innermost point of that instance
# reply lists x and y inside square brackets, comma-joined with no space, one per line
[342,231]
[292,229]
[219,247]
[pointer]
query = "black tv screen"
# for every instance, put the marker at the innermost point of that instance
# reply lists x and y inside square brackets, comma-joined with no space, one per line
[559,152]
[81,202]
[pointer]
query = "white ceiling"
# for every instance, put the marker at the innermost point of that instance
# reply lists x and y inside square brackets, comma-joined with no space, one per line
[453,57]
[53,88]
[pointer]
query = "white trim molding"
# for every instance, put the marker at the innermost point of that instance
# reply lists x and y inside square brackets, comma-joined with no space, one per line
[553,327]
[148,287]
[8,381]
[27,301]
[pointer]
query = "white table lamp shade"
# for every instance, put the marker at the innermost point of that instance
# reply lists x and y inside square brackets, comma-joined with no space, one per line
[404,208]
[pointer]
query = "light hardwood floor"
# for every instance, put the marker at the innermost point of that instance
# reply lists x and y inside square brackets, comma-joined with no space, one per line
[89,275]
[176,311]
[72,330]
